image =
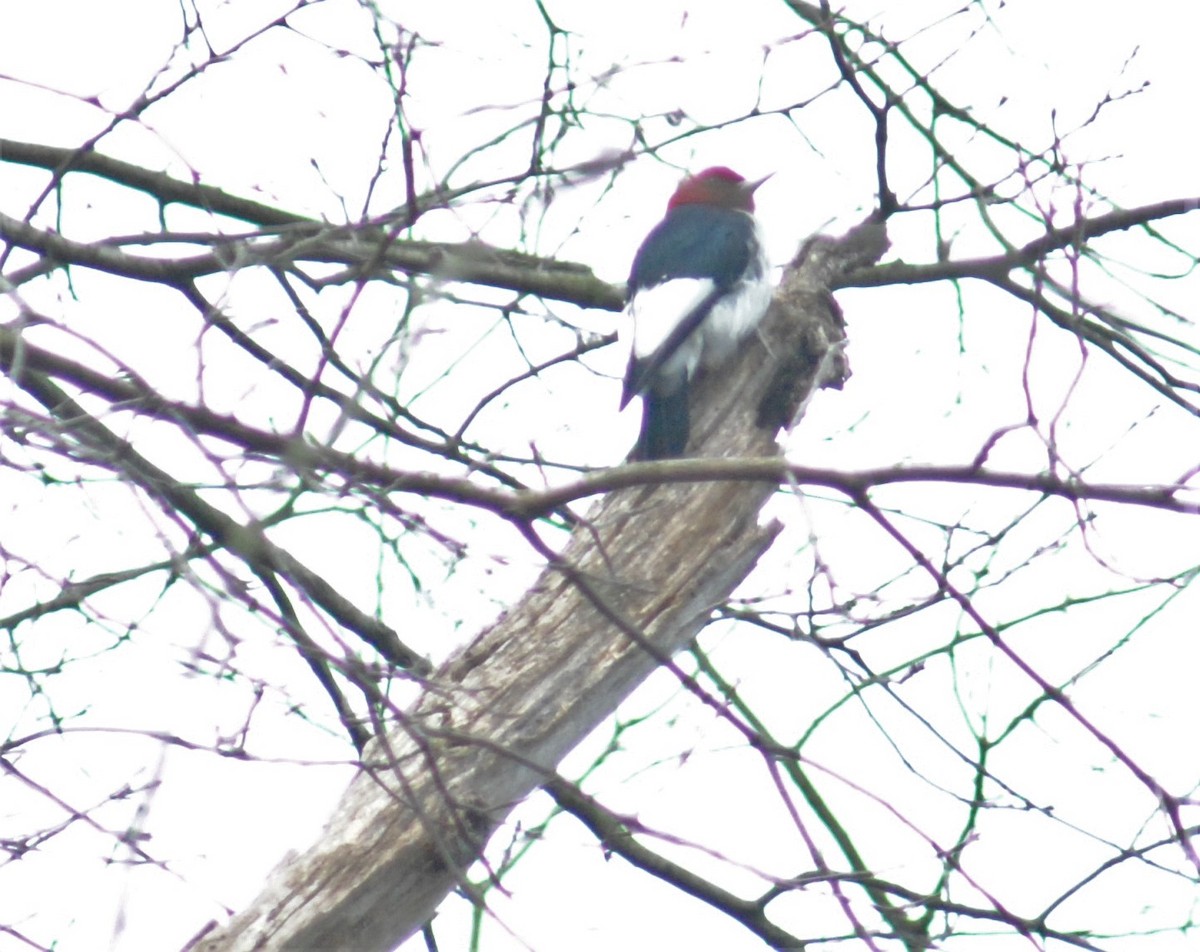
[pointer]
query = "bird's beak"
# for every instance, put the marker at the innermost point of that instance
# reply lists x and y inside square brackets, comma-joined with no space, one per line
[752,187]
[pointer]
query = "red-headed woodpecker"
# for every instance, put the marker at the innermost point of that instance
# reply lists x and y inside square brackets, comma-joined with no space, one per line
[699,285]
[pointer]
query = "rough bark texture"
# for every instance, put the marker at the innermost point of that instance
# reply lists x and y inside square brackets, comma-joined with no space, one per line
[634,585]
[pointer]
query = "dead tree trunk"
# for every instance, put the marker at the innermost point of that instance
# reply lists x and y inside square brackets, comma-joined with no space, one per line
[635,583]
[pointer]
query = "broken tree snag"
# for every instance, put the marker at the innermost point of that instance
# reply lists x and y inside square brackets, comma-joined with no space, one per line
[635,583]
[798,349]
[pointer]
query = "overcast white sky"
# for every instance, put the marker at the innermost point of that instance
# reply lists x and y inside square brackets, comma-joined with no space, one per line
[289,121]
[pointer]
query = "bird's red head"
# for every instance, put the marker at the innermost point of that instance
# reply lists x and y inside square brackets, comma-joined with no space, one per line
[716,186]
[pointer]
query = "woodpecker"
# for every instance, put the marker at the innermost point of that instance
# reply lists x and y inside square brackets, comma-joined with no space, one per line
[699,284]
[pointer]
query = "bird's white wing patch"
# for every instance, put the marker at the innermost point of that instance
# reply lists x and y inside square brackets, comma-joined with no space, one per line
[658,310]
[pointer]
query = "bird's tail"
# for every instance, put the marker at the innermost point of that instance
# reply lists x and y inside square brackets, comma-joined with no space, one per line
[664,425]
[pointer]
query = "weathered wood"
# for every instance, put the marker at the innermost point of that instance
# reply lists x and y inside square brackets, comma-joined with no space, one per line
[634,585]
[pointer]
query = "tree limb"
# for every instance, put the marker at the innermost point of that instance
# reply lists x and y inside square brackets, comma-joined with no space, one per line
[503,711]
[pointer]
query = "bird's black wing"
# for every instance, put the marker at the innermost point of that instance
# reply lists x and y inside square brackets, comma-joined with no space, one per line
[693,241]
